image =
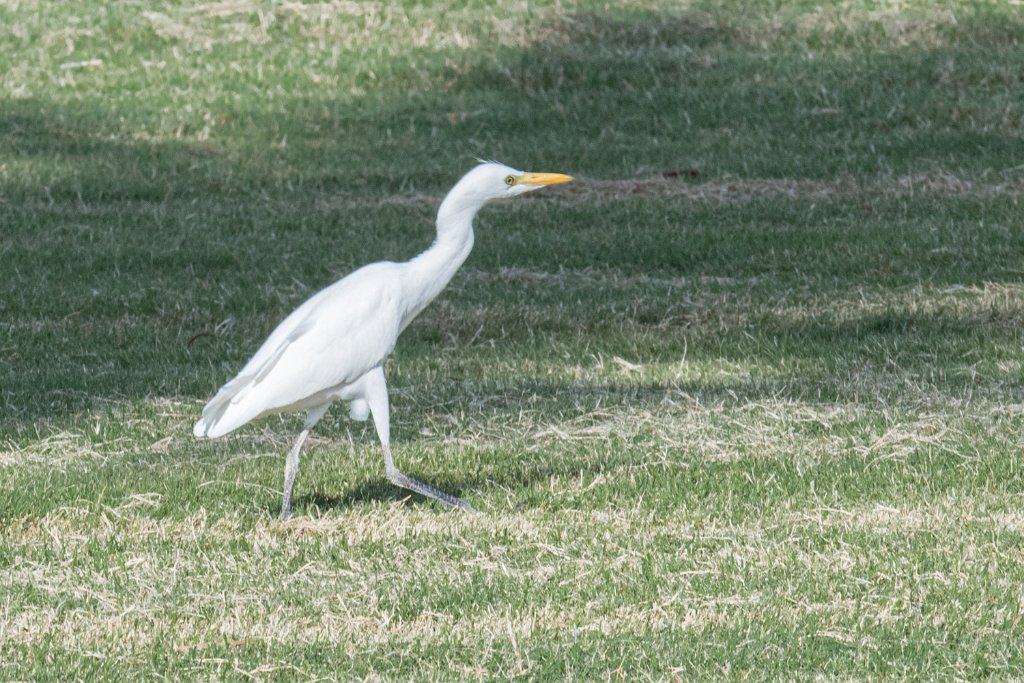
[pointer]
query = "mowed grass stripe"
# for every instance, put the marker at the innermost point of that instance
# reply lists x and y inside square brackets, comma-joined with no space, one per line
[658,577]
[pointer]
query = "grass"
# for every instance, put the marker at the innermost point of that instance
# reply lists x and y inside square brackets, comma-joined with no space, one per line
[742,402]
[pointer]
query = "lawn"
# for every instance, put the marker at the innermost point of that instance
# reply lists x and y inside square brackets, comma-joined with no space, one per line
[743,401]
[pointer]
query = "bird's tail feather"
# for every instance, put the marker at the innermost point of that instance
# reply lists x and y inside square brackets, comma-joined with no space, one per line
[224,413]
[227,411]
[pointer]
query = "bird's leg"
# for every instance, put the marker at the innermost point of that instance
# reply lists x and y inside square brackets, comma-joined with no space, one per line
[406,482]
[377,397]
[291,463]
[291,468]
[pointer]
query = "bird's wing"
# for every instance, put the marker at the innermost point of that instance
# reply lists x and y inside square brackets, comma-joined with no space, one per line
[331,340]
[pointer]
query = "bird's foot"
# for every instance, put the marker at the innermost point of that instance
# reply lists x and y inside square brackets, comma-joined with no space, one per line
[407,482]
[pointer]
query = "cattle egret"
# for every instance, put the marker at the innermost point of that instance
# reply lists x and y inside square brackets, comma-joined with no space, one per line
[333,346]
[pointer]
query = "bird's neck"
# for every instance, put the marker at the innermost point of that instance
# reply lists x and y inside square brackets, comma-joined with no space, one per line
[430,272]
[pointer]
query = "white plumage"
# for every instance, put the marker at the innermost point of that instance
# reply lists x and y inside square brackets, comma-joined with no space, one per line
[333,346]
[353,323]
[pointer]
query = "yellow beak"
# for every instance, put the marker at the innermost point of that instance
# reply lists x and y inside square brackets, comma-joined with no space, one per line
[543,178]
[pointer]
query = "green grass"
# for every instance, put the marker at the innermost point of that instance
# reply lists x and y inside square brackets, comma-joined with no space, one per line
[743,401]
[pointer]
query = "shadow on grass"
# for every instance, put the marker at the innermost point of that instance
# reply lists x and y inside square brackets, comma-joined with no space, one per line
[381,490]
[83,155]
[587,87]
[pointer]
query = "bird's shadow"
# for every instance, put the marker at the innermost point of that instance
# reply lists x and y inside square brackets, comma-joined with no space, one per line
[380,489]
[376,490]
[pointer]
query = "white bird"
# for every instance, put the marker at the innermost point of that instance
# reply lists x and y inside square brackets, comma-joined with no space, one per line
[333,346]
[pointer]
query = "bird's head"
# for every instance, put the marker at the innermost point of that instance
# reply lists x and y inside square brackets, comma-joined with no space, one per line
[491,180]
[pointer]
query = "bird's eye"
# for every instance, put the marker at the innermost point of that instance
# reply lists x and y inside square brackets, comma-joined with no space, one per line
[510,180]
